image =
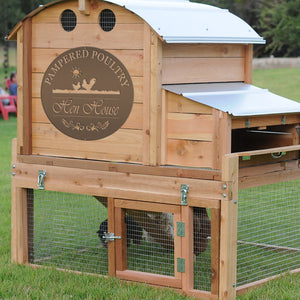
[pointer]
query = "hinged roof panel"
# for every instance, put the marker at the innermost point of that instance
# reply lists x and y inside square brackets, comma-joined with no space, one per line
[237,99]
[181,21]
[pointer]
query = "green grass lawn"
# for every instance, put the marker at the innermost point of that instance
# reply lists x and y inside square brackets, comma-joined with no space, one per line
[21,282]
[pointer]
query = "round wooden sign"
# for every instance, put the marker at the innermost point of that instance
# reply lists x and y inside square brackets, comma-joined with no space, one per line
[87,93]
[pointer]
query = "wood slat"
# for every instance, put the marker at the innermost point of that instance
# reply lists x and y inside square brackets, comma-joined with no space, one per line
[53,13]
[195,70]
[179,104]
[149,188]
[124,36]
[127,143]
[190,127]
[137,85]
[203,50]
[151,278]
[182,172]
[132,59]
[266,120]
[190,153]
[134,121]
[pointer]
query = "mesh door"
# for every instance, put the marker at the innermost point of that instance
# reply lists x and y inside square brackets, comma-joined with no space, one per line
[150,247]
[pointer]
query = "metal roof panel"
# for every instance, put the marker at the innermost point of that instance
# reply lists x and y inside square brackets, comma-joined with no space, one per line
[237,99]
[181,21]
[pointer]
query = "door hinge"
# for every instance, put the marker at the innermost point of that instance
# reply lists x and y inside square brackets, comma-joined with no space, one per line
[180,265]
[184,191]
[181,229]
[41,177]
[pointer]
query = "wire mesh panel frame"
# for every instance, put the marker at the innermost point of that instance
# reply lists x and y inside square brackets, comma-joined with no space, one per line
[262,171]
[122,272]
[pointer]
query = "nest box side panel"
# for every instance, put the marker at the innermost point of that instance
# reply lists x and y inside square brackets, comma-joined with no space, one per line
[198,63]
[126,43]
[196,134]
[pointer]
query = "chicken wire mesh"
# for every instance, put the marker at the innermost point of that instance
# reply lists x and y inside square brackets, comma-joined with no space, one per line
[268,231]
[62,231]
[152,248]
[202,248]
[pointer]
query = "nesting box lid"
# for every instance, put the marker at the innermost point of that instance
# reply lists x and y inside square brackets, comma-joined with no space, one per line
[181,21]
[236,98]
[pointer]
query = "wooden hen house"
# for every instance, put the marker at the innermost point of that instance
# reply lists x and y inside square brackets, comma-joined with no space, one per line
[141,104]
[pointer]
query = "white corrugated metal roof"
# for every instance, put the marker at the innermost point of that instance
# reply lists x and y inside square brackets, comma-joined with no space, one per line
[237,99]
[181,21]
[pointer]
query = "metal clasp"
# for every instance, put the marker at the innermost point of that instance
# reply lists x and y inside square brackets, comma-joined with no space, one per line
[184,190]
[41,177]
[110,236]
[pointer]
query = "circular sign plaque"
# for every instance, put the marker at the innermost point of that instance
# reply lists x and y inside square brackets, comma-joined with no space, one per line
[87,93]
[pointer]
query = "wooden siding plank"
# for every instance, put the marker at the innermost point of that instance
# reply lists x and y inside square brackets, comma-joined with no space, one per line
[137,84]
[179,104]
[47,140]
[190,153]
[132,59]
[134,121]
[195,70]
[52,14]
[124,36]
[203,50]
[190,127]
[266,120]
[149,188]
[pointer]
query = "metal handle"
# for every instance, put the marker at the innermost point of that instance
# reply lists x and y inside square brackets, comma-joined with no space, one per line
[110,236]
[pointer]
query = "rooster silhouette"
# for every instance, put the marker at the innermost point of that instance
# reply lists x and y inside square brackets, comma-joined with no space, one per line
[88,86]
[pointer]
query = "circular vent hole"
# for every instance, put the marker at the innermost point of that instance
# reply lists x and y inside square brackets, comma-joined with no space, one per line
[107,20]
[68,20]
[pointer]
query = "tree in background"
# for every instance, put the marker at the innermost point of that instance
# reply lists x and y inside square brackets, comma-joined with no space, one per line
[13,11]
[280,25]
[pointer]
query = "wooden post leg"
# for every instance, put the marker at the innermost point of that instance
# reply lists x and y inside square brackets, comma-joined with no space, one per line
[19,233]
[228,230]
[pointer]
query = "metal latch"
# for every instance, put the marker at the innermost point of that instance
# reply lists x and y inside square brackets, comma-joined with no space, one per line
[42,175]
[110,236]
[181,229]
[184,190]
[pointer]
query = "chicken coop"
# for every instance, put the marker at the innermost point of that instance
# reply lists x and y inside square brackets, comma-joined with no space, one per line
[144,151]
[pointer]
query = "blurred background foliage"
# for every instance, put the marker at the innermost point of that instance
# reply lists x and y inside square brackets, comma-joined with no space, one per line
[278,21]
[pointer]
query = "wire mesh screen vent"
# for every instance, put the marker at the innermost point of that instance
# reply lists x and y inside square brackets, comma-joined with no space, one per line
[268,231]
[107,20]
[68,20]
[62,231]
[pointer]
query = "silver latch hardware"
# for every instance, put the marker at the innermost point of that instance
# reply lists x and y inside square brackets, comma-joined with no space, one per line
[110,236]
[184,191]
[42,175]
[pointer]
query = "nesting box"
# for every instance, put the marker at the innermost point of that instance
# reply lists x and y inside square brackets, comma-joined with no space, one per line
[148,107]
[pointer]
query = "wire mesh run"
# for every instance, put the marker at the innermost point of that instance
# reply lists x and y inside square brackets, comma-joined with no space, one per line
[62,231]
[152,247]
[202,248]
[268,231]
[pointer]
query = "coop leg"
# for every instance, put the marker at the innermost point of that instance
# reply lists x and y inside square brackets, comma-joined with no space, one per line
[19,232]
